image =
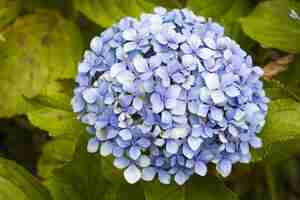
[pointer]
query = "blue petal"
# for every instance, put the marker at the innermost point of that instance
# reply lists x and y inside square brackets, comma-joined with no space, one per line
[134,152]
[130,46]
[117,68]
[224,167]
[96,45]
[205,53]
[172,147]
[173,91]
[194,142]
[200,168]
[194,41]
[93,145]
[84,67]
[125,78]
[148,173]
[255,142]
[209,42]
[166,117]
[157,103]
[180,178]
[77,104]
[232,91]
[130,34]
[118,151]
[244,147]
[203,110]
[144,161]
[137,103]
[218,97]
[144,142]
[179,109]
[121,162]
[164,177]
[132,174]
[106,148]
[216,114]
[90,95]
[125,134]
[211,80]
[140,63]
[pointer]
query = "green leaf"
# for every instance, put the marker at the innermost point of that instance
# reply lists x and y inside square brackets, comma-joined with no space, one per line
[291,77]
[18,184]
[281,133]
[55,154]
[282,121]
[207,187]
[107,12]
[79,179]
[227,13]
[56,122]
[270,25]
[156,191]
[9,10]
[210,8]
[39,48]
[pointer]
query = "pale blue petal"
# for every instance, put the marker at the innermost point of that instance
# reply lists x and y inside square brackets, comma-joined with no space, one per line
[224,167]
[194,142]
[172,147]
[140,63]
[148,173]
[255,142]
[117,68]
[121,162]
[134,152]
[144,161]
[90,95]
[164,177]
[179,109]
[125,134]
[93,145]
[180,178]
[106,148]
[137,103]
[232,91]
[205,53]
[157,103]
[125,78]
[166,117]
[130,34]
[132,174]
[200,168]
[218,97]
[84,67]
[216,114]
[211,80]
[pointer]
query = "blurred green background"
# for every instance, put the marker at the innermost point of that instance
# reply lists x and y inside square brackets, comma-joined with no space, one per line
[42,145]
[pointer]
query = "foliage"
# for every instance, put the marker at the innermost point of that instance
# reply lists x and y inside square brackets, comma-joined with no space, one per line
[40,46]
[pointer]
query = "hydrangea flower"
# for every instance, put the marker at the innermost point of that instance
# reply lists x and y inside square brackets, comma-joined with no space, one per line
[168,94]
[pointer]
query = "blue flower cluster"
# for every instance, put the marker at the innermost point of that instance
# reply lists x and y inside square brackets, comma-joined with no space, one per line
[168,94]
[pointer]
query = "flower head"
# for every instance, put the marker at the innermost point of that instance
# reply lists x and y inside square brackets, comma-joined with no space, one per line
[167,94]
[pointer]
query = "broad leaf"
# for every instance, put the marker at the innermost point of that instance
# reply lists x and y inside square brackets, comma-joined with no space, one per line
[39,48]
[18,184]
[226,12]
[56,121]
[271,25]
[207,187]
[9,10]
[107,12]
[79,179]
